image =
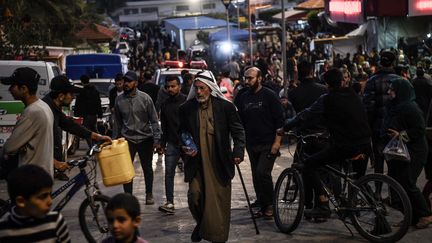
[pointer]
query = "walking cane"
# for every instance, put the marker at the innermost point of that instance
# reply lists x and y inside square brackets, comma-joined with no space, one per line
[247,199]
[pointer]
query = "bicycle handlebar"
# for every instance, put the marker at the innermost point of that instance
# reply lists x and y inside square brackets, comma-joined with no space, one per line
[94,149]
[301,136]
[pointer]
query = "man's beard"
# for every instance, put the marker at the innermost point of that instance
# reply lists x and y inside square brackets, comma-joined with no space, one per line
[127,91]
[202,99]
[252,87]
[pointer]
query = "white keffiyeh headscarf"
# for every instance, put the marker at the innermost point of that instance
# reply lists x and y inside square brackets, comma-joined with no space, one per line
[210,82]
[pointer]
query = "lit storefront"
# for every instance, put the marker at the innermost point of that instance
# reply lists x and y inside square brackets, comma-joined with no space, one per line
[387,23]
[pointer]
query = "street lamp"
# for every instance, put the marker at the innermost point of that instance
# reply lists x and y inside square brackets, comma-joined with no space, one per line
[227,3]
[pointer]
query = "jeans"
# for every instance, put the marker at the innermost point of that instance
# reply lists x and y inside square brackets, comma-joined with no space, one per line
[145,153]
[172,155]
[262,166]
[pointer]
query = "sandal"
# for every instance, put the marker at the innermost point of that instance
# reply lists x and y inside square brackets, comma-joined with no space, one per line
[424,222]
[268,213]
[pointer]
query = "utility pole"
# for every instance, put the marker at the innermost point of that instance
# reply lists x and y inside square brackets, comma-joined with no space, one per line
[227,3]
[284,57]
[250,33]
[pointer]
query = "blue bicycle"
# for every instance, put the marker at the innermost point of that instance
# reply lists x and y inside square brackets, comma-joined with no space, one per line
[91,213]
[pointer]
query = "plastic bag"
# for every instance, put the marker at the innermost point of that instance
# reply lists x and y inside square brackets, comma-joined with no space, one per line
[396,149]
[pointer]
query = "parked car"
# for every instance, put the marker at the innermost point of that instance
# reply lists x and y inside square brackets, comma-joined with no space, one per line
[126,33]
[122,47]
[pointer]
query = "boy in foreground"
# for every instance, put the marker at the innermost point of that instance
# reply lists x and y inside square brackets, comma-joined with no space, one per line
[123,215]
[30,219]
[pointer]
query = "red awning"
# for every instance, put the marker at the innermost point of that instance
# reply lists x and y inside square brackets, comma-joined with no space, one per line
[96,33]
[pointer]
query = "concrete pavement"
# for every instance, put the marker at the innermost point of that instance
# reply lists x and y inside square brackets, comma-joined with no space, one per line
[158,227]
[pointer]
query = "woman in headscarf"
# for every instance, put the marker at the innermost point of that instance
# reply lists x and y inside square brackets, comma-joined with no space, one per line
[404,119]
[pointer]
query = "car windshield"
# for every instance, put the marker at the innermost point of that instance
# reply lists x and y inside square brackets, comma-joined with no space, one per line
[102,87]
[162,78]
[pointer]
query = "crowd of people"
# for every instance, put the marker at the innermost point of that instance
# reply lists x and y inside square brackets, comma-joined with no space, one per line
[362,102]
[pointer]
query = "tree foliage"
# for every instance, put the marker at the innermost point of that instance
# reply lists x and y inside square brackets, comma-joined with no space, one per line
[41,23]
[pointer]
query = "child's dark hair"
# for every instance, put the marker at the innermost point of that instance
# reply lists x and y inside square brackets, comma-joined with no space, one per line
[125,201]
[27,180]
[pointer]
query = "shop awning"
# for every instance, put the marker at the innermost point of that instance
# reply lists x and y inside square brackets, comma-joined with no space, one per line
[291,15]
[310,5]
[95,33]
[330,40]
[360,31]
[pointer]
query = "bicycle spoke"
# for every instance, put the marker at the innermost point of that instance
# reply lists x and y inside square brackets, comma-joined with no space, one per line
[380,204]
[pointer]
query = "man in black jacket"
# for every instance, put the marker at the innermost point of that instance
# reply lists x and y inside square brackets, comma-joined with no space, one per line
[88,105]
[170,140]
[62,93]
[347,123]
[375,99]
[116,91]
[113,93]
[261,113]
[301,98]
[210,120]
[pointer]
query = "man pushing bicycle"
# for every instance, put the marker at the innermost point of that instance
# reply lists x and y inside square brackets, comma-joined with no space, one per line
[343,113]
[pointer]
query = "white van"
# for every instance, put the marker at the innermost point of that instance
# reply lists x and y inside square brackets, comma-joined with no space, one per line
[11,108]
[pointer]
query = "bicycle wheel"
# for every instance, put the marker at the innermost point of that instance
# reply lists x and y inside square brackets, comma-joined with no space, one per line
[288,200]
[382,208]
[92,218]
[4,207]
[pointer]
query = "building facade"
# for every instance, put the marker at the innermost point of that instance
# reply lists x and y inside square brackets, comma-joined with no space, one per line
[140,13]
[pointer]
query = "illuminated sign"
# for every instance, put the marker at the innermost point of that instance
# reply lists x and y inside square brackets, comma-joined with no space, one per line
[419,7]
[348,11]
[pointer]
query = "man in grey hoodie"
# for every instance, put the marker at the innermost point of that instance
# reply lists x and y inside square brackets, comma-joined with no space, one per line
[137,121]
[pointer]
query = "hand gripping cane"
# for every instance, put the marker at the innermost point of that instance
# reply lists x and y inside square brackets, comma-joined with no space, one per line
[247,199]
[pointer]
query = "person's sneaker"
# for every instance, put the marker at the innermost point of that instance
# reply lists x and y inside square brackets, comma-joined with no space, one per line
[149,199]
[167,208]
[61,176]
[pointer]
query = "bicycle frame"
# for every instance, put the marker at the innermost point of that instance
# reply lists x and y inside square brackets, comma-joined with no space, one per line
[347,181]
[77,182]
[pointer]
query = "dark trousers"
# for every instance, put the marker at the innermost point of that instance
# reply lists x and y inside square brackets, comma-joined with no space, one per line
[378,147]
[145,153]
[331,154]
[428,165]
[312,146]
[406,174]
[262,166]
[90,121]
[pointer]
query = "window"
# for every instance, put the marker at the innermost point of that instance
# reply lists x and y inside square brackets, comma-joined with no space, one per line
[209,6]
[182,8]
[129,11]
[149,10]
[56,71]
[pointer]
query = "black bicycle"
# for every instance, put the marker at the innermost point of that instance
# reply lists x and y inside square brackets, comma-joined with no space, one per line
[91,213]
[375,204]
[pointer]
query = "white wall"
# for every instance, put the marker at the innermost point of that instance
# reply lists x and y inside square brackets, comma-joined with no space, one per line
[166,8]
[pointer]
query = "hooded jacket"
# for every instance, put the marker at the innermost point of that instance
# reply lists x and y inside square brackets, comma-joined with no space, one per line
[404,115]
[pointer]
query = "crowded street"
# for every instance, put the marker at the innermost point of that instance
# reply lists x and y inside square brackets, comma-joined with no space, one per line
[158,227]
[216,121]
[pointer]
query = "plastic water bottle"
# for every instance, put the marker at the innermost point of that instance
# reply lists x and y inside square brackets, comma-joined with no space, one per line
[188,141]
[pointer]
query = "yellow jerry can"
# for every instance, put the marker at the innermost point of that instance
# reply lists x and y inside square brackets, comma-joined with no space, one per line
[115,163]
